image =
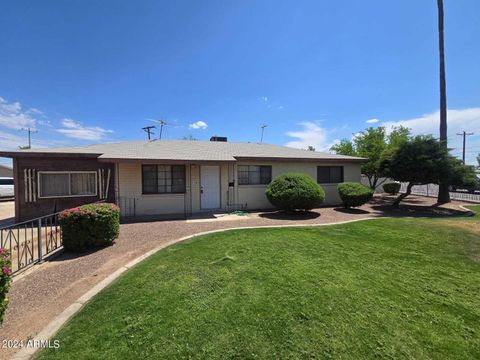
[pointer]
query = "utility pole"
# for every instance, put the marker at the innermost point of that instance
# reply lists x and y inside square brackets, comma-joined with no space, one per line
[148,130]
[464,134]
[263,129]
[30,132]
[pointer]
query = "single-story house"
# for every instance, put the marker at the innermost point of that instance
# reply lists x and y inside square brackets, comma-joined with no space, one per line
[156,177]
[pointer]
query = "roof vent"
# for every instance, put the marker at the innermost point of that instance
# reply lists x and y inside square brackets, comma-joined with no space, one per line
[218,138]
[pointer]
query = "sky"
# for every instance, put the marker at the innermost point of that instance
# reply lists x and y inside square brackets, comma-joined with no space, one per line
[315,72]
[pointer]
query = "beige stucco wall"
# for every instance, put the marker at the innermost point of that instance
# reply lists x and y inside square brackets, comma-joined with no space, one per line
[129,185]
[254,195]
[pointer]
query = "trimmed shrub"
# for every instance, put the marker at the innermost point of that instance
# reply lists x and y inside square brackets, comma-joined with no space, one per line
[89,226]
[295,192]
[392,188]
[354,194]
[5,280]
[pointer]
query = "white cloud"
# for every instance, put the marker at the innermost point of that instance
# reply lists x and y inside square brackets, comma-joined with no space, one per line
[457,121]
[263,98]
[198,125]
[76,130]
[13,117]
[372,121]
[311,134]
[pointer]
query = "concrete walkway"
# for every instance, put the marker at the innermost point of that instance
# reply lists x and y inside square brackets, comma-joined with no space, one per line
[42,293]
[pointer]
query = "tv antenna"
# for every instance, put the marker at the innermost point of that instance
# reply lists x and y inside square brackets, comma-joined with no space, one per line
[263,129]
[148,130]
[162,124]
[30,132]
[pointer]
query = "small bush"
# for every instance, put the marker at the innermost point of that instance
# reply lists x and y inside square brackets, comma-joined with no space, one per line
[294,192]
[354,194]
[5,280]
[89,226]
[392,188]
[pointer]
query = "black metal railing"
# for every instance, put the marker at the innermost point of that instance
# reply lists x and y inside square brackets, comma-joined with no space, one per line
[31,241]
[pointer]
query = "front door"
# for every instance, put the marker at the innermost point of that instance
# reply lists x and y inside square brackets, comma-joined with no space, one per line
[210,187]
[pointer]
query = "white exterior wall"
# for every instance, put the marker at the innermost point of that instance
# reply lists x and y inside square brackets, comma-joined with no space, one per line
[129,186]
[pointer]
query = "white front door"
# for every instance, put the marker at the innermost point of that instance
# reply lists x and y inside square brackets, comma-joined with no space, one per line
[210,187]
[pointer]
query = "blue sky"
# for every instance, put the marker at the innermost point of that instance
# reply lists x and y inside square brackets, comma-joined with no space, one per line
[315,71]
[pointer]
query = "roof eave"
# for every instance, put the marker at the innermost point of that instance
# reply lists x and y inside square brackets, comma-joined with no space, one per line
[266,158]
[164,161]
[37,154]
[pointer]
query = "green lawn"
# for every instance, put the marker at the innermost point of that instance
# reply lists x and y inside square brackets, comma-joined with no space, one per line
[389,288]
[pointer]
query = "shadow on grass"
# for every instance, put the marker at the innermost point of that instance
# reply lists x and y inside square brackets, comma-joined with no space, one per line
[293,215]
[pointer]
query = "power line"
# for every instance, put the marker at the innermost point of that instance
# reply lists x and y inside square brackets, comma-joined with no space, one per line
[464,134]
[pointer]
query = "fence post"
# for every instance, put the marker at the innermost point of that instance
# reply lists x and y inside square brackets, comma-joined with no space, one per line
[39,239]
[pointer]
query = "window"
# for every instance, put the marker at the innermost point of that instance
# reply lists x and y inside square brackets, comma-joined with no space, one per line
[329,174]
[67,184]
[163,179]
[254,174]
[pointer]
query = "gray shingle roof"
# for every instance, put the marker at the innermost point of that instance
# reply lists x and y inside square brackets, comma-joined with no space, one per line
[188,150]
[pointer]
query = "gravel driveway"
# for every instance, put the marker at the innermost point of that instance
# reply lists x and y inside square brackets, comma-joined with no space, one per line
[42,293]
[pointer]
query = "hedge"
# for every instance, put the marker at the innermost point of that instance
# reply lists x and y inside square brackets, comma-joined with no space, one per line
[5,280]
[294,191]
[392,187]
[89,226]
[354,194]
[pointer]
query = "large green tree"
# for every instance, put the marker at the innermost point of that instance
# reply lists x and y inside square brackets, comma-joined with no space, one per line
[372,143]
[424,160]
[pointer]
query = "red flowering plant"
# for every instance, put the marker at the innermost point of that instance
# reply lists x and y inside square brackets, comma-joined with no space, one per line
[89,226]
[5,279]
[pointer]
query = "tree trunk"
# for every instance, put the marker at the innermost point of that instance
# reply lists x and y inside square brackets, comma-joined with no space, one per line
[443,193]
[400,197]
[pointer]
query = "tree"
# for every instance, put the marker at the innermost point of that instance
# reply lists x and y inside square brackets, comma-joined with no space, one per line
[423,160]
[189,137]
[310,148]
[372,144]
[443,193]
[344,147]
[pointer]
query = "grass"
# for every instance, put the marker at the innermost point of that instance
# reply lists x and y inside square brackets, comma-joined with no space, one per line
[389,288]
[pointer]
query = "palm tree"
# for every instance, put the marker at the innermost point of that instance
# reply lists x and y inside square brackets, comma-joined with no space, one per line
[443,194]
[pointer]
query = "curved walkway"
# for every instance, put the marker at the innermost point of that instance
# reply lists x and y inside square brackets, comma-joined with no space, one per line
[41,295]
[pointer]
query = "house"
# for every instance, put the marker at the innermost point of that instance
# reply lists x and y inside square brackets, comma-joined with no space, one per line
[156,177]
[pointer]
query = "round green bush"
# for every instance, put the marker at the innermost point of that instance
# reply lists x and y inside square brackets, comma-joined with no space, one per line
[354,194]
[89,226]
[392,187]
[293,191]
